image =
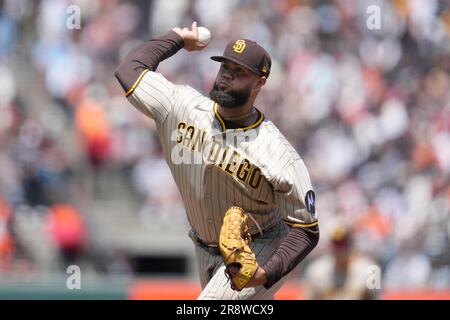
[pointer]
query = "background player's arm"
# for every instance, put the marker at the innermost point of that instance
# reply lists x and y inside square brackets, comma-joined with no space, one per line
[148,91]
[290,192]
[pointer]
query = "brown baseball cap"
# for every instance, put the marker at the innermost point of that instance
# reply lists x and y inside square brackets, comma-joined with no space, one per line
[248,54]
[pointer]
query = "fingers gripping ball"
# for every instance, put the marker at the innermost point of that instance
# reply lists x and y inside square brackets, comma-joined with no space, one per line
[240,261]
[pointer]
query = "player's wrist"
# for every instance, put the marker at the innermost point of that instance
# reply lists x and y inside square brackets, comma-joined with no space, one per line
[262,276]
[177,37]
[259,278]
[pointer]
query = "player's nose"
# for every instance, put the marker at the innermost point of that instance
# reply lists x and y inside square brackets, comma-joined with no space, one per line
[227,75]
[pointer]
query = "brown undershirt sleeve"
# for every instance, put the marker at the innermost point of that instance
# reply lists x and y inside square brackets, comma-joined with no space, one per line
[147,56]
[297,244]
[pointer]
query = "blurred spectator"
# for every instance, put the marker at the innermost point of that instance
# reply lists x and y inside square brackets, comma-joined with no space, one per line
[8,29]
[153,180]
[94,128]
[6,240]
[68,232]
[409,269]
[341,273]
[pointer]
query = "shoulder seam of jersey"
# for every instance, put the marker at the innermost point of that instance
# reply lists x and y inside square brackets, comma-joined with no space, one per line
[136,83]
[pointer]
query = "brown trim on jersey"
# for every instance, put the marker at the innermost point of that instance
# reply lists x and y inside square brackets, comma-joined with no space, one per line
[257,123]
[216,113]
[222,122]
[136,83]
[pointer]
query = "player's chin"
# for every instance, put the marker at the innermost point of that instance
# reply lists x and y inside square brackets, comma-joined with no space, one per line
[222,98]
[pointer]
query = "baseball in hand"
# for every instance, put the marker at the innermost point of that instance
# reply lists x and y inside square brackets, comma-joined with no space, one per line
[203,35]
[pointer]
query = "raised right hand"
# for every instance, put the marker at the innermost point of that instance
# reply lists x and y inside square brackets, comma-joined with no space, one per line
[190,38]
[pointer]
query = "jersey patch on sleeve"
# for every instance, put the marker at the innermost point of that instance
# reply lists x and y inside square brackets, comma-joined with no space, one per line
[310,201]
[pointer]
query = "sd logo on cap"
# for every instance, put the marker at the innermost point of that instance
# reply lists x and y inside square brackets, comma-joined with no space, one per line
[239,46]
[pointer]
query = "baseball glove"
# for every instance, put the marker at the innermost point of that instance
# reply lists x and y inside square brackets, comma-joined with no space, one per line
[240,261]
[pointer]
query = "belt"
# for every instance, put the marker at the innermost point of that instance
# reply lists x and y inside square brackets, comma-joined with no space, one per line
[210,247]
[213,248]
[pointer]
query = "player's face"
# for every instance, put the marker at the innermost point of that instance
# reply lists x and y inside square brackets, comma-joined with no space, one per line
[234,85]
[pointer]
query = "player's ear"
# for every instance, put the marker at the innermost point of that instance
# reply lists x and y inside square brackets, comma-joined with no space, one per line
[260,82]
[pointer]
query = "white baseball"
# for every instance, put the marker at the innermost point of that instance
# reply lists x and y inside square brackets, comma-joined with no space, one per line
[203,35]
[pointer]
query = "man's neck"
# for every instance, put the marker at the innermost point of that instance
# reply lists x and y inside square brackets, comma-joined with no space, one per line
[239,117]
[235,112]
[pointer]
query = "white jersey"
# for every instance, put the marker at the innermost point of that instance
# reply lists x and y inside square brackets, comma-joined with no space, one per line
[215,168]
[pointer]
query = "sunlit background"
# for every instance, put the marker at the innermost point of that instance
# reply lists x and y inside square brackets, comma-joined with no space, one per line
[83,181]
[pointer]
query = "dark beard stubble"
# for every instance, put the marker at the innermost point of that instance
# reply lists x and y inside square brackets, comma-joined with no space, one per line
[231,99]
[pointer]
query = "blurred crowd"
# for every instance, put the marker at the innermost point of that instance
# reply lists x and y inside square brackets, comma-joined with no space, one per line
[367,107]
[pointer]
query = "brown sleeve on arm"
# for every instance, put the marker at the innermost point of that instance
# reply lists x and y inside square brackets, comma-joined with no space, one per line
[297,244]
[147,56]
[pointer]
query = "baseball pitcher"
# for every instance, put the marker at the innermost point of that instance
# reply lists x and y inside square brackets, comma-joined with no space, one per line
[246,191]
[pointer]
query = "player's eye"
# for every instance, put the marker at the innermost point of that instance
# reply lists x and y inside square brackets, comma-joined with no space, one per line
[240,72]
